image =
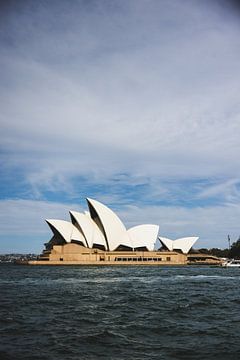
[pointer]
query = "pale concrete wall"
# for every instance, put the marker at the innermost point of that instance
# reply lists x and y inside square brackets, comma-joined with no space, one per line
[73,252]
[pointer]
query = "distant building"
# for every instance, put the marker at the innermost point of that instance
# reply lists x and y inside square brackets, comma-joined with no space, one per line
[101,228]
[98,236]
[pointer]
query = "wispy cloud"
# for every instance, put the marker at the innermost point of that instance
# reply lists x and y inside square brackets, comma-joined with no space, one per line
[22,225]
[131,102]
[224,190]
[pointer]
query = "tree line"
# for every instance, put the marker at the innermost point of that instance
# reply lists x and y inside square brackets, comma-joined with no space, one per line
[232,253]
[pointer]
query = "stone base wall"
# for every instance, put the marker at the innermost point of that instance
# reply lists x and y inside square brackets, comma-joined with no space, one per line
[76,254]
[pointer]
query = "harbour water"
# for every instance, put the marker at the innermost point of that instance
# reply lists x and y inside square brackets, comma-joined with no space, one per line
[62,312]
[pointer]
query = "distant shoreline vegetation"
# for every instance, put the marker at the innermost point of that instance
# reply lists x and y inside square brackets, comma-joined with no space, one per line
[232,253]
[12,257]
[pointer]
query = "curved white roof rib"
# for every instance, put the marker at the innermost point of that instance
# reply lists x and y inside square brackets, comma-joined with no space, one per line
[98,237]
[66,230]
[109,223]
[78,236]
[167,242]
[62,227]
[90,230]
[183,244]
[143,236]
[85,225]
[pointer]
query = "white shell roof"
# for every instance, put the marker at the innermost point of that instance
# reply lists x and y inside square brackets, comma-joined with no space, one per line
[78,236]
[89,229]
[67,230]
[101,226]
[115,232]
[63,227]
[144,235]
[183,244]
[167,242]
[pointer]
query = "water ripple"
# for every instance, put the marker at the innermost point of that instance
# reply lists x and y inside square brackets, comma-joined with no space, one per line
[119,313]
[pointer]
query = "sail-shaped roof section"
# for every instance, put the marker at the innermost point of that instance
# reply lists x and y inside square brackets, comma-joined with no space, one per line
[61,227]
[77,236]
[168,243]
[66,230]
[183,244]
[109,223]
[89,229]
[101,228]
[143,236]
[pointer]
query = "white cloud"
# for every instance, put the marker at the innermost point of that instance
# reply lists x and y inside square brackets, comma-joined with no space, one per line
[148,89]
[22,222]
[226,189]
[212,224]
[27,217]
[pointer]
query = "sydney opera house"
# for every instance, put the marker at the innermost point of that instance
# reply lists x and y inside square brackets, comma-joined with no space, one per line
[98,237]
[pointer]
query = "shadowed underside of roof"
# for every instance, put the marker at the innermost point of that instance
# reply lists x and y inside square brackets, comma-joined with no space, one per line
[102,228]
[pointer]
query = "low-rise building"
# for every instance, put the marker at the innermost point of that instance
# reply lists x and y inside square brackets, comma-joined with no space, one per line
[99,237]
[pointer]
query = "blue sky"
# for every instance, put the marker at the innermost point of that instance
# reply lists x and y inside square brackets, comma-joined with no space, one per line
[133,103]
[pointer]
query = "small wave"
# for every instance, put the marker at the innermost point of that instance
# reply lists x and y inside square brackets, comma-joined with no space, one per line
[104,336]
[75,280]
[112,280]
[203,277]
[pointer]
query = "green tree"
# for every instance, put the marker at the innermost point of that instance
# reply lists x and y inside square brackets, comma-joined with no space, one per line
[223,253]
[234,252]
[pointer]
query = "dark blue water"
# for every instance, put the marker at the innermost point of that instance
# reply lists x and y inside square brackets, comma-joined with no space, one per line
[119,313]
